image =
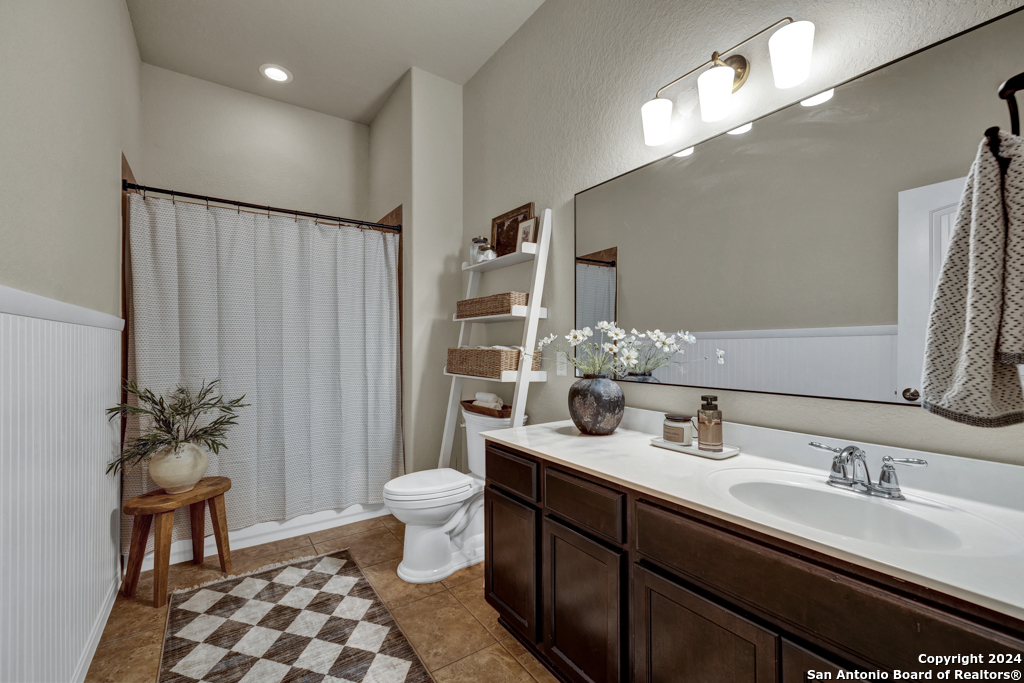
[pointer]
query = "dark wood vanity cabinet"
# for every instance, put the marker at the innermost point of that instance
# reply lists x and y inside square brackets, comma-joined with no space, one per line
[511,571]
[583,595]
[681,636]
[604,584]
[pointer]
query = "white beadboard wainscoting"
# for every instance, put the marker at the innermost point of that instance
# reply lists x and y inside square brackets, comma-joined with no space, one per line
[841,362]
[60,367]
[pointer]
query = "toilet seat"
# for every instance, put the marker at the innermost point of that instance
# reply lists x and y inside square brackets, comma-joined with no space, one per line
[429,488]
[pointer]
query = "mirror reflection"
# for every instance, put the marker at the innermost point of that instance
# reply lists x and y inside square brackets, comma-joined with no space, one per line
[806,247]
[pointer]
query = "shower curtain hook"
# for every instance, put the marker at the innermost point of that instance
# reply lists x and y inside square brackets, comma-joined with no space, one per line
[268,210]
[207,203]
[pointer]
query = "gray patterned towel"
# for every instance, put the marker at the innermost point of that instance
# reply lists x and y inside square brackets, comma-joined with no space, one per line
[976,328]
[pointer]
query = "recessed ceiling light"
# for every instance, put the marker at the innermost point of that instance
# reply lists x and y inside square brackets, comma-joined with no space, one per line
[684,153]
[276,73]
[819,98]
[742,129]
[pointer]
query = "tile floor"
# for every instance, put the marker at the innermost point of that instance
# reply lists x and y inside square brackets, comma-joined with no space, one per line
[454,631]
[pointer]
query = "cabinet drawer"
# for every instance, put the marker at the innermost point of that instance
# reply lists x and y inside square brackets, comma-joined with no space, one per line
[589,505]
[513,473]
[848,614]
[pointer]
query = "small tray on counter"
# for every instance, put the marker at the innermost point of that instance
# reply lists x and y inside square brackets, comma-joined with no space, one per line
[727,450]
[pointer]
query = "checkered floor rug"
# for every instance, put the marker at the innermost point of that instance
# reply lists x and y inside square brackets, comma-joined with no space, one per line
[311,621]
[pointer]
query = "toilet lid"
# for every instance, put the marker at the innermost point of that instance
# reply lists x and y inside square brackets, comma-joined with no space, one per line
[428,482]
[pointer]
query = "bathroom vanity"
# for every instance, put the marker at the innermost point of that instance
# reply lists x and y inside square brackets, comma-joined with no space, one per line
[612,560]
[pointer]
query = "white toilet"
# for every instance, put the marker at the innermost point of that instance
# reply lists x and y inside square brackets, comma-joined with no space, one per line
[443,511]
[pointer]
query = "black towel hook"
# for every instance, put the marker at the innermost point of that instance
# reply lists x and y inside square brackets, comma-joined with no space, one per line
[1006,92]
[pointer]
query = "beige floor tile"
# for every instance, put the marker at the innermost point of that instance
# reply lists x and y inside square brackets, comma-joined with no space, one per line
[129,660]
[394,591]
[267,560]
[345,530]
[243,555]
[472,596]
[133,615]
[368,548]
[529,662]
[441,629]
[465,575]
[493,665]
[396,527]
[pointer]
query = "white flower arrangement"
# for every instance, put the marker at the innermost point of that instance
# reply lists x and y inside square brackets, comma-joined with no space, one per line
[622,354]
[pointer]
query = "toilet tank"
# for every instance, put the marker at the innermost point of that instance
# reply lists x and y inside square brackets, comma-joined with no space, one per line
[475,424]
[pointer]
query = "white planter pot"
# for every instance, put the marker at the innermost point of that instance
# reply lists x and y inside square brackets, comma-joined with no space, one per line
[178,471]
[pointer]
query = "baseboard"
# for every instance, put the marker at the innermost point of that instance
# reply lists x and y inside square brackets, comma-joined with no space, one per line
[82,669]
[268,532]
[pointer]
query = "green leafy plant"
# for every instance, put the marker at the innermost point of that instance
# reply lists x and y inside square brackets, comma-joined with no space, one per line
[174,421]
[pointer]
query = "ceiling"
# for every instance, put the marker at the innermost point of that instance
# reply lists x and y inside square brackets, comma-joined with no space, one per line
[346,55]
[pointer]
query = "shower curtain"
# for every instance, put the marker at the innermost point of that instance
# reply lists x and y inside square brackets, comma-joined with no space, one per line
[595,295]
[302,319]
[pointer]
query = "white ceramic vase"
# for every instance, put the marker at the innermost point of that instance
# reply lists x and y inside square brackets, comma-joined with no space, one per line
[178,470]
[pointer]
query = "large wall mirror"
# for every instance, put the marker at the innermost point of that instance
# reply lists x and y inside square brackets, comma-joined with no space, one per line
[806,248]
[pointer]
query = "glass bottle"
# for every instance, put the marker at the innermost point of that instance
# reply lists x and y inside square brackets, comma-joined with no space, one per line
[709,425]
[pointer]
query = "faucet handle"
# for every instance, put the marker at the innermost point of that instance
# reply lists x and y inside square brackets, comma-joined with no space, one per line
[888,485]
[909,462]
[823,447]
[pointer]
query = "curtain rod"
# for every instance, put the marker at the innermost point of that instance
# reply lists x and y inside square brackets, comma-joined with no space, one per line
[126,186]
[580,259]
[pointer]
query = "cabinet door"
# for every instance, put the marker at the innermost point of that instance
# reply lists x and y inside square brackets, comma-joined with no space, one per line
[583,612]
[510,569]
[681,636]
[797,663]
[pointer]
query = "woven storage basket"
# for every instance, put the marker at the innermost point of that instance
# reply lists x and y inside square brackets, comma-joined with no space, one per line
[496,304]
[485,362]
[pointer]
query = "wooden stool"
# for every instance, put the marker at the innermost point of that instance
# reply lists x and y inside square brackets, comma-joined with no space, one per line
[163,505]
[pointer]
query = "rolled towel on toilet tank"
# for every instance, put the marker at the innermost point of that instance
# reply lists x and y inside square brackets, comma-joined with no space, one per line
[487,397]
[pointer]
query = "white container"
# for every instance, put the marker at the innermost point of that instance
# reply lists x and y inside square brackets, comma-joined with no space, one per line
[475,424]
[179,470]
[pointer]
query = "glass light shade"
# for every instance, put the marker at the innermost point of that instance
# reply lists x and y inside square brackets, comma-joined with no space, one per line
[820,98]
[714,87]
[657,117]
[790,48]
[684,152]
[742,129]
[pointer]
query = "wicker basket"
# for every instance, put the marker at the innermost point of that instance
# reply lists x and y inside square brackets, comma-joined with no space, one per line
[496,304]
[485,362]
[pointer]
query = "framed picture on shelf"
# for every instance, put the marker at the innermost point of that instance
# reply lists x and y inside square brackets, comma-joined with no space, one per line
[527,233]
[505,229]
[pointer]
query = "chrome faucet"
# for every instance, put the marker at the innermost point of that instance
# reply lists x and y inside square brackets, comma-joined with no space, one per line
[850,471]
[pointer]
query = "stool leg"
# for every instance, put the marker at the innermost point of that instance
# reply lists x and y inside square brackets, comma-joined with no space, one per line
[220,531]
[197,511]
[162,559]
[140,535]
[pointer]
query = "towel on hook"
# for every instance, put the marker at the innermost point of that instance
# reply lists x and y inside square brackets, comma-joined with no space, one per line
[976,328]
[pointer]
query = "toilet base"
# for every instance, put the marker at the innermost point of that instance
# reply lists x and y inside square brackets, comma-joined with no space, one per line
[470,554]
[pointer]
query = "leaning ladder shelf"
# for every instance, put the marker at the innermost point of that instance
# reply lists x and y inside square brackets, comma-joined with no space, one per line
[530,314]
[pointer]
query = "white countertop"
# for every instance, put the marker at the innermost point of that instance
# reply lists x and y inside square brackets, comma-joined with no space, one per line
[986,568]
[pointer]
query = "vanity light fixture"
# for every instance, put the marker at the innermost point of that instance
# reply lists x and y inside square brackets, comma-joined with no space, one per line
[820,98]
[790,49]
[684,152]
[742,129]
[276,73]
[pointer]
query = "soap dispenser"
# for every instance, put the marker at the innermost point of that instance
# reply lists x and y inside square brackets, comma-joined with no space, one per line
[709,425]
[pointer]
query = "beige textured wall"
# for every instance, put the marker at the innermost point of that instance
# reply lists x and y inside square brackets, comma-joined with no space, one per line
[208,139]
[416,161]
[557,110]
[69,106]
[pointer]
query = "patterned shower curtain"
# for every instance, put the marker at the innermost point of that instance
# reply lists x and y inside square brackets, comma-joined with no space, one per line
[302,319]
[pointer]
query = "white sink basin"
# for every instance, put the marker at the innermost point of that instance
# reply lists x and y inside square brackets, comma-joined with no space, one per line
[914,524]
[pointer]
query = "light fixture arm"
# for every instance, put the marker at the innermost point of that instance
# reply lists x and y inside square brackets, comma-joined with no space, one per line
[717,57]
